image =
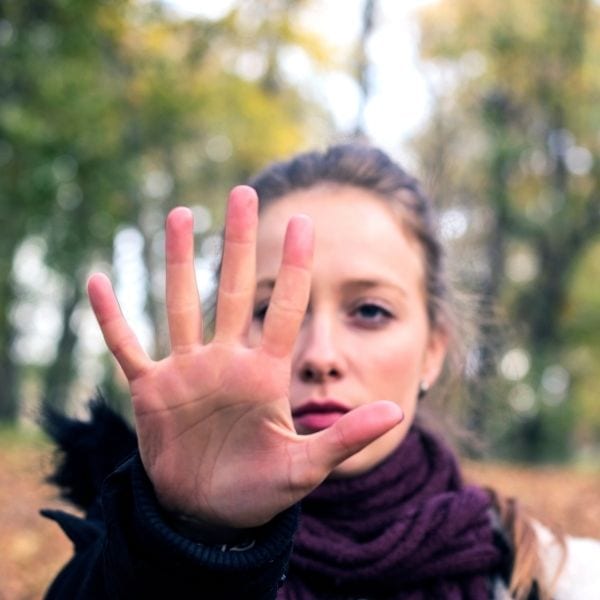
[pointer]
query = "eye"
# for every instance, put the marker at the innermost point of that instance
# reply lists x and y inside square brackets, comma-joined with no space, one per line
[371,314]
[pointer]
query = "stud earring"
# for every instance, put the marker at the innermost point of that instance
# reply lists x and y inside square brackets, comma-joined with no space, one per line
[423,389]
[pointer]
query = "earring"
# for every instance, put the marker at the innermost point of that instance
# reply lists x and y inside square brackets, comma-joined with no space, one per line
[423,389]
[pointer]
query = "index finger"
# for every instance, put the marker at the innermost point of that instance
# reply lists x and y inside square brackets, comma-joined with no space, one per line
[292,288]
[238,267]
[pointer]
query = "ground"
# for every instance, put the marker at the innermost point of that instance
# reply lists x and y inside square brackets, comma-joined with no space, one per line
[33,548]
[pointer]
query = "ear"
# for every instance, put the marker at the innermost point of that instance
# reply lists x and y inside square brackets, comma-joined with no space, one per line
[435,355]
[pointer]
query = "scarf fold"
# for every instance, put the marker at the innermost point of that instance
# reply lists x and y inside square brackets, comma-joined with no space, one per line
[409,529]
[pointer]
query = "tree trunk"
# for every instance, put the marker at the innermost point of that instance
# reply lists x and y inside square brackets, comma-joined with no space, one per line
[61,373]
[9,396]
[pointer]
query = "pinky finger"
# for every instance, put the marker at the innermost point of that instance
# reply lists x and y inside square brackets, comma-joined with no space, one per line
[119,337]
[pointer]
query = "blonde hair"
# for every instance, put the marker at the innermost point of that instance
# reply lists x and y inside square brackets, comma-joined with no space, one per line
[528,571]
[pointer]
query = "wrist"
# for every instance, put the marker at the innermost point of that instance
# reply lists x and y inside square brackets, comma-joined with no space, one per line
[207,533]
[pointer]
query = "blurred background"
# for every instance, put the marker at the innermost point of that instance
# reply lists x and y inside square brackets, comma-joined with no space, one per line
[114,111]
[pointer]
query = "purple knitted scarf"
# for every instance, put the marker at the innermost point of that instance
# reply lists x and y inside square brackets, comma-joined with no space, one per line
[409,529]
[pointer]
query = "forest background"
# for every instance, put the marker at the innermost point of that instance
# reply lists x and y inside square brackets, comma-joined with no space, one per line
[113,111]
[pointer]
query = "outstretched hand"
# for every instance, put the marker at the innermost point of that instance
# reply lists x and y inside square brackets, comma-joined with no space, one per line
[213,420]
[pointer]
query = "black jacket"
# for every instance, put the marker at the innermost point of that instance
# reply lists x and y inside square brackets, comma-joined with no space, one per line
[124,547]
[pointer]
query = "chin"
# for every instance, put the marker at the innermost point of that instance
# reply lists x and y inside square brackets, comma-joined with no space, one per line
[349,468]
[358,464]
[370,456]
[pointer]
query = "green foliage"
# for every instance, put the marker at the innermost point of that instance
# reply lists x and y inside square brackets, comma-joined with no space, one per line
[517,126]
[110,114]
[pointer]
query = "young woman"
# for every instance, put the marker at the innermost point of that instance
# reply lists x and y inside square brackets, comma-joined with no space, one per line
[285,457]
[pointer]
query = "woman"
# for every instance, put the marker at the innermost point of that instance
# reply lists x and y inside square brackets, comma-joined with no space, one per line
[306,396]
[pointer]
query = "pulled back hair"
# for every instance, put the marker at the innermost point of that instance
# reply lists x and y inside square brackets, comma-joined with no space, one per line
[370,169]
[367,168]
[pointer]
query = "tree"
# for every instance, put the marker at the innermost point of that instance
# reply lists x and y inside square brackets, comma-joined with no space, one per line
[516,126]
[110,114]
[53,128]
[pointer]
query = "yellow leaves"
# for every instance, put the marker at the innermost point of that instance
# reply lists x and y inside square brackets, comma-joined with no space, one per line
[544,49]
[260,125]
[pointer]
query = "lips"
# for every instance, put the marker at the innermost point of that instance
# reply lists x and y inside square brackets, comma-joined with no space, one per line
[318,414]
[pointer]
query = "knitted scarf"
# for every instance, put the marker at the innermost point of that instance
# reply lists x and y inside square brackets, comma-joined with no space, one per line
[409,529]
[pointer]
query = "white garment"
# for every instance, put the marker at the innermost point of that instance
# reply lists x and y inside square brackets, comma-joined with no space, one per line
[579,577]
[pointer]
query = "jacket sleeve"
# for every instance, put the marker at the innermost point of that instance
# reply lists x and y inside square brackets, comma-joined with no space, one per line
[125,549]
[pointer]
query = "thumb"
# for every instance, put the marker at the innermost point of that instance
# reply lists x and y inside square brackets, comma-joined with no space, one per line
[354,431]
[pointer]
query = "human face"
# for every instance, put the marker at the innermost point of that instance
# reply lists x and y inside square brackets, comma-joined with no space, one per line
[366,335]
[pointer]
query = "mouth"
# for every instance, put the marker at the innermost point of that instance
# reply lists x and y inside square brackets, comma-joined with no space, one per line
[318,414]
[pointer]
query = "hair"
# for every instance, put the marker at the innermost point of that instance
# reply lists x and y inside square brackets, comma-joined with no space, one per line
[367,168]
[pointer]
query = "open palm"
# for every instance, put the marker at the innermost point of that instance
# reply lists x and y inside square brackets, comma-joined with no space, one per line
[214,426]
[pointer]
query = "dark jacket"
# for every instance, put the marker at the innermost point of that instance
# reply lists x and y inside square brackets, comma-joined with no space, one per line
[124,546]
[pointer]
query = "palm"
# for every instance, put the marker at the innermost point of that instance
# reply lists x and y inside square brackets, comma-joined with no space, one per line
[213,420]
[224,396]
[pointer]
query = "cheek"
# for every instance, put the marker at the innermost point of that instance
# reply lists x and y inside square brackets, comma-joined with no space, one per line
[392,365]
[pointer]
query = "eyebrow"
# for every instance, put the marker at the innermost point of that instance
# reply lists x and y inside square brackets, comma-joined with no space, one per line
[363,284]
[351,285]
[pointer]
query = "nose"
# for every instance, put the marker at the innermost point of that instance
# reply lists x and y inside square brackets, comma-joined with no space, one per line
[318,359]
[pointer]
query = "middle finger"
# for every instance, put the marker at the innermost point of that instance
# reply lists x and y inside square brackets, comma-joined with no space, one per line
[183,303]
[238,268]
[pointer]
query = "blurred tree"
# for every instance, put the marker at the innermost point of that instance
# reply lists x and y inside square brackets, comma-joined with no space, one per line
[55,132]
[110,114]
[512,153]
[362,70]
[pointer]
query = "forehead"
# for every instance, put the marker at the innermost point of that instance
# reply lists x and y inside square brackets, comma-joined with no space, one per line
[357,233]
